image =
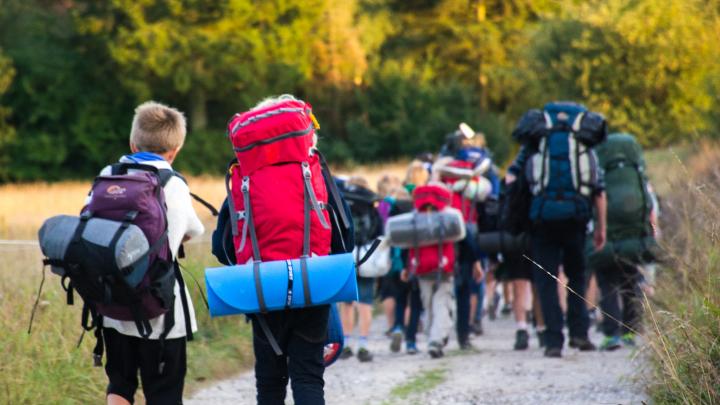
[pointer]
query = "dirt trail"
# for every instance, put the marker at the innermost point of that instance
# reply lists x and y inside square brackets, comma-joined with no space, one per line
[492,374]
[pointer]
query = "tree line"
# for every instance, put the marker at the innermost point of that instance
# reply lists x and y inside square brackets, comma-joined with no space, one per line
[388,78]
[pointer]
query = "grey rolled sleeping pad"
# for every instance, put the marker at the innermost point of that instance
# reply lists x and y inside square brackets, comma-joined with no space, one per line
[426,230]
[57,232]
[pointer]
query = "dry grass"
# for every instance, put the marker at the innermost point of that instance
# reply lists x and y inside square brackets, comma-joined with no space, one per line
[684,317]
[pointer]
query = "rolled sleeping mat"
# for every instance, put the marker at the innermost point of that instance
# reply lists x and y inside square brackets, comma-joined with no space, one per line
[425,228]
[378,264]
[232,290]
[130,252]
[503,242]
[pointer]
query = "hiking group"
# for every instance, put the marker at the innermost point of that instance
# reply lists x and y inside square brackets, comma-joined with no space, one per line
[303,250]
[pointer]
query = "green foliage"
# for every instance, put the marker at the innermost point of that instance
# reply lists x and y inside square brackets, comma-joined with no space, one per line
[387,78]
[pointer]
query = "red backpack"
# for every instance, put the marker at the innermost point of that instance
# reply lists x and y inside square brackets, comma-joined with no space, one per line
[276,185]
[466,207]
[430,259]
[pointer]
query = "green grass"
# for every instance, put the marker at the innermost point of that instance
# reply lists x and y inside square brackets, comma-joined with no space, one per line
[424,381]
[46,367]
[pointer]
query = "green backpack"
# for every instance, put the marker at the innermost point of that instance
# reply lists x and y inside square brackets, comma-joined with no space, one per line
[629,233]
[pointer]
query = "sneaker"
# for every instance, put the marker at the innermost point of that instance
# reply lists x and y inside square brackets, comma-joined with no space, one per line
[506,310]
[364,355]
[435,350]
[477,328]
[466,345]
[396,343]
[346,353]
[554,352]
[610,343]
[411,348]
[628,339]
[541,338]
[521,340]
[582,344]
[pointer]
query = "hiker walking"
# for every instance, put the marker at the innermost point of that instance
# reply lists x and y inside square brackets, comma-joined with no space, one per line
[631,239]
[565,183]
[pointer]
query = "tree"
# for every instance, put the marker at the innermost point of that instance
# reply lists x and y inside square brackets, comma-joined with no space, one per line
[7,132]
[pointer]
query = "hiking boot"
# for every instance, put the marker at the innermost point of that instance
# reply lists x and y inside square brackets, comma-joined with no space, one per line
[582,344]
[364,355]
[521,340]
[466,345]
[554,352]
[610,343]
[396,343]
[346,353]
[477,328]
[435,350]
[541,338]
[628,339]
[411,348]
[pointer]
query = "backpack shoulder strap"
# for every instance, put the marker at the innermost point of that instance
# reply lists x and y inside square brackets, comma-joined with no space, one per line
[167,174]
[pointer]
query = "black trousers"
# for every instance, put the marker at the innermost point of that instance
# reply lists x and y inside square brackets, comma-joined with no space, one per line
[301,334]
[620,298]
[464,286]
[408,294]
[554,244]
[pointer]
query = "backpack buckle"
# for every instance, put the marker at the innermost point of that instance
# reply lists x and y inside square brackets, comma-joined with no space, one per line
[245,187]
[306,170]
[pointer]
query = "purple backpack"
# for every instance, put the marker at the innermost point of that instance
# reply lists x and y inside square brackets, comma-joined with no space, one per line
[126,217]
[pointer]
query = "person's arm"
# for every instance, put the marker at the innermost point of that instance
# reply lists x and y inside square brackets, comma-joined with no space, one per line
[599,235]
[518,164]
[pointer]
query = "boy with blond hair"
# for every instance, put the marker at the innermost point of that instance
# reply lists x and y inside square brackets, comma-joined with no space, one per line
[157,135]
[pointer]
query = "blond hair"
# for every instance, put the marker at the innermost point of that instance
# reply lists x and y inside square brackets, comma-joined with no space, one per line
[157,128]
[416,174]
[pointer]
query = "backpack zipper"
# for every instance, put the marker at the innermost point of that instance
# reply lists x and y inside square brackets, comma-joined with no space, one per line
[292,134]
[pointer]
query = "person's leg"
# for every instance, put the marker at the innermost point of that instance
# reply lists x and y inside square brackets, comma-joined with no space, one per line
[387,296]
[415,310]
[491,294]
[271,373]
[507,298]
[164,388]
[442,312]
[365,320]
[121,366]
[305,355]
[547,253]
[631,299]
[462,294]
[608,281]
[402,293]
[574,265]
[347,316]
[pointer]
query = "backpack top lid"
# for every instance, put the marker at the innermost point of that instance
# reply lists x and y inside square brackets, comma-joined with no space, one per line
[563,113]
[434,194]
[620,147]
[282,132]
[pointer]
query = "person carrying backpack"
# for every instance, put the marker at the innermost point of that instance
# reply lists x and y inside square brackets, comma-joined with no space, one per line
[630,239]
[565,183]
[140,309]
[368,226]
[282,204]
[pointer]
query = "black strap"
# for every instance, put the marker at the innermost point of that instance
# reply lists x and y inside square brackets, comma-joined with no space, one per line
[330,182]
[268,334]
[206,204]
[99,343]
[68,287]
[369,252]
[142,323]
[122,168]
[184,300]
[37,300]
[291,278]
[258,286]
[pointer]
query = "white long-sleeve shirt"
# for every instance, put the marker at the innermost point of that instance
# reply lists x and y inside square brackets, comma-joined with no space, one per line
[182,221]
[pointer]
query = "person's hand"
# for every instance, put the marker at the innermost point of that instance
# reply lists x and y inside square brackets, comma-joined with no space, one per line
[509,178]
[478,272]
[599,238]
[404,276]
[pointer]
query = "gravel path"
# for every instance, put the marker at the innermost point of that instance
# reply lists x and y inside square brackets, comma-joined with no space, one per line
[491,374]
